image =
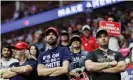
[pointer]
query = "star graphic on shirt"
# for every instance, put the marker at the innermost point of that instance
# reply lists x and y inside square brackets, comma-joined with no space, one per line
[19,44]
[86,44]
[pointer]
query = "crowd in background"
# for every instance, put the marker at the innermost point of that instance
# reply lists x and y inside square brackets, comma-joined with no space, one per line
[35,35]
[25,9]
[83,25]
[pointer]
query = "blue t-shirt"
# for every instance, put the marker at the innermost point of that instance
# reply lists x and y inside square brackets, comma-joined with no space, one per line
[54,58]
[31,76]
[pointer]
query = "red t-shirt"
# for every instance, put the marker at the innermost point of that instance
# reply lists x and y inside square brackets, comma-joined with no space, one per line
[90,44]
[129,66]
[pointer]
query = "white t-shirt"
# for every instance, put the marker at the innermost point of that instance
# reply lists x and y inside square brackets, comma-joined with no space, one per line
[124,76]
[5,64]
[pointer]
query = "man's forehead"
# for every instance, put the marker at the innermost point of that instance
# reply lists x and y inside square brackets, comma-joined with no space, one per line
[19,49]
[86,30]
[51,32]
[5,48]
[104,35]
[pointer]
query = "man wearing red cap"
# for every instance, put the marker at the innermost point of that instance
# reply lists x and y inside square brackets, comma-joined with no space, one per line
[25,69]
[53,64]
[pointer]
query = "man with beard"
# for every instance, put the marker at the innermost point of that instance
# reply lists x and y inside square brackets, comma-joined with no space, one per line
[53,64]
[104,63]
[25,69]
[6,59]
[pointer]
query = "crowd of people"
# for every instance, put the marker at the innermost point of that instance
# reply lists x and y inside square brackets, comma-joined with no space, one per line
[77,51]
[75,60]
[75,23]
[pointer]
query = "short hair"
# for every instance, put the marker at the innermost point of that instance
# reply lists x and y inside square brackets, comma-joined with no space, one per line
[10,49]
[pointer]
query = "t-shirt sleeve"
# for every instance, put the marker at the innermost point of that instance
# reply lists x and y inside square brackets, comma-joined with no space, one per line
[15,64]
[90,56]
[120,57]
[40,58]
[32,63]
[66,54]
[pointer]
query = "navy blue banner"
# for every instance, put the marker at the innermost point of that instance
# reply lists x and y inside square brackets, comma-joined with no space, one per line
[55,14]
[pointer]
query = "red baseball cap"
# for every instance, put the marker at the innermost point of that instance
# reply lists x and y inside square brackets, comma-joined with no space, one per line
[51,29]
[22,45]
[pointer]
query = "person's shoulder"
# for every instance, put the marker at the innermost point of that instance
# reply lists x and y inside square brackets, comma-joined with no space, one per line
[14,64]
[92,38]
[62,47]
[95,51]
[82,37]
[84,52]
[31,60]
[14,60]
[44,52]
[116,52]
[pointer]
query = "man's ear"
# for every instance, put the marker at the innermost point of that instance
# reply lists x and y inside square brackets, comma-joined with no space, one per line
[24,51]
[45,39]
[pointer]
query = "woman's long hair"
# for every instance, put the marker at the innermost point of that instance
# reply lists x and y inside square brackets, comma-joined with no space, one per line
[37,50]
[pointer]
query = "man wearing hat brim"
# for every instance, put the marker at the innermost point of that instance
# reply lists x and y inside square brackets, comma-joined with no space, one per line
[89,42]
[6,59]
[53,63]
[78,57]
[75,37]
[105,63]
[25,68]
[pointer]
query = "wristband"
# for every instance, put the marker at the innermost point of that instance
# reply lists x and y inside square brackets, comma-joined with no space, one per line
[107,65]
